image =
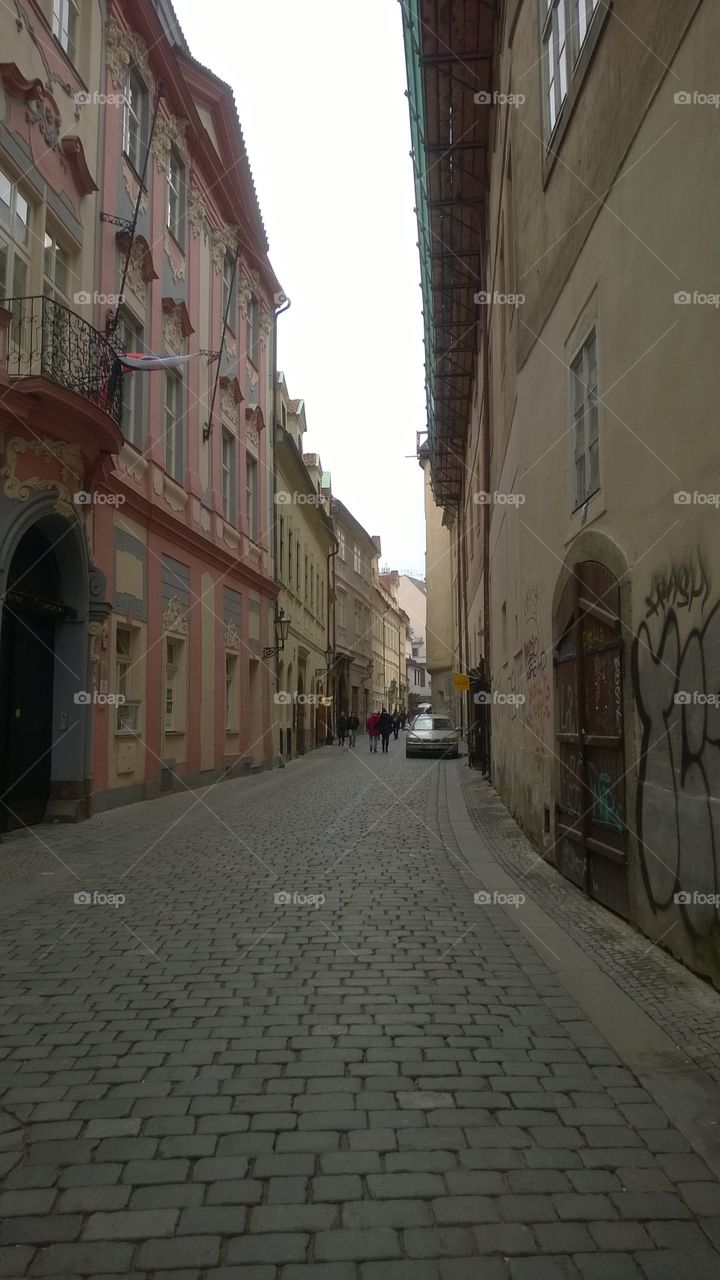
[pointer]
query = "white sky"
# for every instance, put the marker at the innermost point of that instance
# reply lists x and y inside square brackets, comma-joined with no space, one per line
[319,86]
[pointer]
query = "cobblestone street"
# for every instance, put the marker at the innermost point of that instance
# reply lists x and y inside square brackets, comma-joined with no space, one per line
[299,1049]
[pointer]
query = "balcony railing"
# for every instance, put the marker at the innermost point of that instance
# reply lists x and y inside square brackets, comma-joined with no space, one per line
[48,340]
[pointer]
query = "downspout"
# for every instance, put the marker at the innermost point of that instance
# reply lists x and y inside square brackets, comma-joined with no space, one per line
[330,729]
[487,508]
[273,397]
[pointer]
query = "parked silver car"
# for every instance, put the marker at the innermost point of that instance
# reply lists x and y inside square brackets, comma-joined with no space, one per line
[432,735]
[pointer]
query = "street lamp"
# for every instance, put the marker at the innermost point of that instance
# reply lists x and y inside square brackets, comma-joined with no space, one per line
[282,626]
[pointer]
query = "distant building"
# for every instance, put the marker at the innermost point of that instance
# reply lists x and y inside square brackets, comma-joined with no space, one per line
[304,547]
[412,598]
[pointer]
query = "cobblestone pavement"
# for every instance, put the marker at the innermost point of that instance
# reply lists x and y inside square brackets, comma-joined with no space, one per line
[224,1076]
[686,1008]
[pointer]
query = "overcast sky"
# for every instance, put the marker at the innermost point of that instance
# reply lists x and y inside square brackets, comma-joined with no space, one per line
[320,90]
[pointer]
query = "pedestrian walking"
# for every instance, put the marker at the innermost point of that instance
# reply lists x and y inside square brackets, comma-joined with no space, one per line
[384,727]
[403,718]
[353,726]
[396,723]
[372,728]
[342,730]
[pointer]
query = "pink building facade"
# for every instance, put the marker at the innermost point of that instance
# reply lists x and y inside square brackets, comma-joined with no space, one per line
[135,539]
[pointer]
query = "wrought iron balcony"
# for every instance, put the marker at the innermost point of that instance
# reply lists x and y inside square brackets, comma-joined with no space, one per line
[48,340]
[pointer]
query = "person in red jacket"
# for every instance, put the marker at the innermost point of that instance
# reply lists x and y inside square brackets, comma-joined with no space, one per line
[372,728]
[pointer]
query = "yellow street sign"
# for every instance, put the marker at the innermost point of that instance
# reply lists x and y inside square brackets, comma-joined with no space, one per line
[461,682]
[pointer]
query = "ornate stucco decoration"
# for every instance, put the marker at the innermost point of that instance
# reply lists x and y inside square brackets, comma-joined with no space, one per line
[48,451]
[172,334]
[169,132]
[265,326]
[176,261]
[249,283]
[223,240]
[197,213]
[131,185]
[233,639]
[140,268]
[252,376]
[229,407]
[176,326]
[124,48]
[99,639]
[254,424]
[175,617]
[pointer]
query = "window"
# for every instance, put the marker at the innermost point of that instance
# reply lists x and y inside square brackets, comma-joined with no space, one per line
[176,198]
[231,693]
[585,420]
[584,11]
[174,426]
[341,545]
[358,618]
[56,270]
[555,59]
[251,497]
[135,121]
[172,664]
[65,25]
[253,333]
[342,609]
[297,565]
[126,714]
[322,601]
[290,557]
[229,294]
[312,588]
[357,559]
[14,237]
[306,592]
[229,472]
[131,336]
[281,544]
[566,24]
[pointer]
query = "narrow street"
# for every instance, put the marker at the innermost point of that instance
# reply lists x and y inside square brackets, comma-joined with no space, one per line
[300,1049]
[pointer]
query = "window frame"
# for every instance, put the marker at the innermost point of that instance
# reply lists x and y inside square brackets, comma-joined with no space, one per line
[61,11]
[582,414]
[253,330]
[229,291]
[177,194]
[232,691]
[141,116]
[252,495]
[228,476]
[174,436]
[124,665]
[134,402]
[15,248]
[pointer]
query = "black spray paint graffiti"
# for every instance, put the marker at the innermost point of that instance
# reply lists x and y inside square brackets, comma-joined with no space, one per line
[677,652]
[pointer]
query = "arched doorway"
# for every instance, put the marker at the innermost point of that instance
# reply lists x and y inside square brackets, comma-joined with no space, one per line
[50,593]
[300,721]
[591,830]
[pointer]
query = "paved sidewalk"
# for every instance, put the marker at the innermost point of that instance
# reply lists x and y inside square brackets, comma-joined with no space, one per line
[300,1050]
[683,1005]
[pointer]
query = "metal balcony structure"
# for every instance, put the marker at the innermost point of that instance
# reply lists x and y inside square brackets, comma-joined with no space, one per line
[48,340]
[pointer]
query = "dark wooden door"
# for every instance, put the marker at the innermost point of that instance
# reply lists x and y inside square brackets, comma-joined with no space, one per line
[590,809]
[26,699]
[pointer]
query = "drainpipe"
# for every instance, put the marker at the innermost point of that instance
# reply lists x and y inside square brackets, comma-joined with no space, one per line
[330,729]
[273,395]
[485,445]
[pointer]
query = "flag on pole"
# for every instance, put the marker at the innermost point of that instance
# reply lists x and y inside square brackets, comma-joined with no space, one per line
[137,361]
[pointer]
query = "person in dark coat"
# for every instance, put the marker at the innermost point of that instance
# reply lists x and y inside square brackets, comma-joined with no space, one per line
[385,725]
[342,730]
[396,723]
[353,725]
